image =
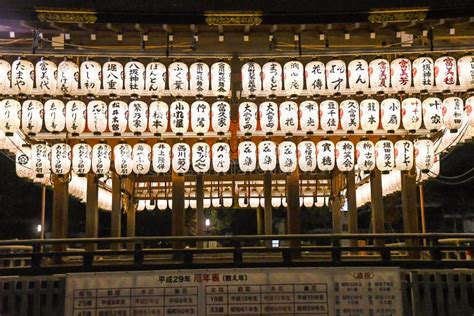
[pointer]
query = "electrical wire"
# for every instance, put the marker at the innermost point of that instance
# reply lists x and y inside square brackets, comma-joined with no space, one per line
[453,183]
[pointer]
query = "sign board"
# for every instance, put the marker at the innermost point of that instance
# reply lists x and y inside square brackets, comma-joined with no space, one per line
[266,291]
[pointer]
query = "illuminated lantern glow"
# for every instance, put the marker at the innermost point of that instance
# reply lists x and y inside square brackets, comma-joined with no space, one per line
[384,155]
[40,159]
[220,79]
[141,205]
[31,117]
[123,159]
[96,116]
[23,74]
[251,79]
[325,155]
[423,73]
[46,73]
[365,154]
[23,166]
[379,75]
[309,116]
[112,72]
[411,114]
[345,159]
[68,77]
[268,113]
[220,157]
[141,158]
[267,156]
[401,74]
[468,108]
[227,200]
[5,76]
[307,156]
[432,113]
[349,113]
[134,77]
[10,116]
[149,205]
[54,116]
[137,117]
[248,117]
[287,157]
[158,117]
[201,157]
[289,117]
[81,158]
[466,72]
[272,83]
[181,158]
[101,156]
[247,152]
[220,117]
[91,72]
[293,78]
[61,159]
[390,114]
[424,154]
[178,78]
[200,117]
[155,78]
[315,72]
[329,116]
[199,79]
[445,73]
[179,117]
[118,117]
[453,113]
[369,115]
[403,155]
[75,117]
[336,76]
[358,75]
[161,158]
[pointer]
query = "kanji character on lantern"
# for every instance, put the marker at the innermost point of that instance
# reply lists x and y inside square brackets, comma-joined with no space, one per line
[178,78]
[158,117]
[329,116]
[123,159]
[272,74]
[220,157]
[220,117]
[309,116]
[31,117]
[251,79]
[141,158]
[201,157]
[137,117]
[349,113]
[179,117]
[379,75]
[432,113]
[200,117]
[247,153]
[403,155]
[384,155]
[134,77]
[365,154]
[60,158]
[112,72]
[289,117]
[401,74]
[369,115]
[161,157]
[101,157]
[91,73]
[155,78]
[325,155]
[46,73]
[287,156]
[68,77]
[307,156]
[411,114]
[54,116]
[267,156]
[453,113]
[423,73]
[293,78]
[445,73]
[248,117]
[336,76]
[22,76]
[315,72]
[220,79]
[81,158]
[76,112]
[345,160]
[199,79]
[358,75]
[181,158]
[97,116]
[118,117]
[390,114]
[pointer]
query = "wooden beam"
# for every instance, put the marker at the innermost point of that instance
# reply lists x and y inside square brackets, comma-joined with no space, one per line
[352,205]
[293,201]
[92,209]
[60,210]
[177,216]
[377,208]
[200,224]
[268,211]
[116,214]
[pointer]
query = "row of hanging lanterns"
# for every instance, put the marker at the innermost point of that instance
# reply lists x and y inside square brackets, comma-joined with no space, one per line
[134,78]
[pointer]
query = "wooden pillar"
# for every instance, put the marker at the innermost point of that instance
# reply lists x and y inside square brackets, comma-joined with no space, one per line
[336,201]
[131,221]
[177,216]
[60,211]
[377,209]
[116,215]
[410,209]
[268,211]
[352,205]
[92,209]
[200,224]
[293,201]
[259,216]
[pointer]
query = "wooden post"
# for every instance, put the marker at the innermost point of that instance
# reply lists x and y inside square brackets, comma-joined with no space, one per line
[293,201]
[131,221]
[43,211]
[377,208]
[352,205]
[200,224]
[92,209]
[410,209]
[60,211]
[336,202]
[177,216]
[259,216]
[116,215]
[268,211]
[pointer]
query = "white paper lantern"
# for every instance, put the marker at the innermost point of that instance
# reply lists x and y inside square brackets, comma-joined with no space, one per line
[453,112]
[200,117]
[141,158]
[142,204]
[445,73]
[75,117]
[199,78]
[112,72]
[117,117]
[227,200]
[31,117]
[293,78]
[23,165]
[220,157]
[23,74]
[101,156]
[179,117]
[424,154]
[289,117]
[91,73]
[251,79]
[468,108]
[68,77]
[268,114]
[272,74]
[309,116]
[137,117]
[401,74]
[379,75]
[369,115]
[384,155]
[315,72]
[403,155]
[158,117]
[40,155]
[201,157]
[60,159]
[466,72]
[10,116]
[287,157]
[267,156]
[96,116]
[345,158]
[178,78]
[46,73]
[149,205]
[365,154]
[54,116]
[134,72]
[390,114]
[358,75]
[307,156]
[123,159]
[411,114]
[181,158]
[349,113]
[432,113]
[155,78]
[5,76]
[336,76]
[220,117]
[423,73]
[220,78]
[248,117]
[325,155]
[81,158]
[329,116]
[247,153]
[161,157]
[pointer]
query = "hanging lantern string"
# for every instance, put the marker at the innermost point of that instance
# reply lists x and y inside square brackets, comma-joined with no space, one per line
[433,177]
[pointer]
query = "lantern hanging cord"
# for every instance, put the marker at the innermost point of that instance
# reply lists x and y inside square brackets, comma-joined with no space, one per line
[452,177]
[453,183]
